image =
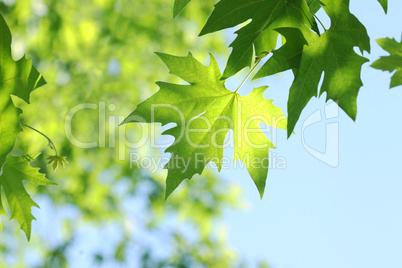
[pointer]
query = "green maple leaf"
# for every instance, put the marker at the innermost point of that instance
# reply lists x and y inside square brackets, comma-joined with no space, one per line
[55,160]
[17,170]
[332,54]
[391,62]
[204,112]
[179,5]
[259,34]
[17,78]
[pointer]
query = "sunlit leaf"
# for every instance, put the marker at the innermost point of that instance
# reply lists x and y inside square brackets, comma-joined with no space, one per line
[205,110]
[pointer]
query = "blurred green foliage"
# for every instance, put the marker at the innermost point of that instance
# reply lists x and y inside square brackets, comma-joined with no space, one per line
[104,211]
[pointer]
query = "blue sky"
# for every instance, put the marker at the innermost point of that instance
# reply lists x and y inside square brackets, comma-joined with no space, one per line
[312,214]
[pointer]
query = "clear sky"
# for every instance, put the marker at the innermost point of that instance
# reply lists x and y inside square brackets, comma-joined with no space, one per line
[314,215]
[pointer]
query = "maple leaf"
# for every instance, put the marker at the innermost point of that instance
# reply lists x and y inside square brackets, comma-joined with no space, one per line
[332,53]
[18,78]
[259,34]
[391,62]
[204,112]
[17,170]
[179,5]
[55,160]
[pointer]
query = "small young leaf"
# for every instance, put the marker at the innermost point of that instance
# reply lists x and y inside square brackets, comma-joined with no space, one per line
[55,160]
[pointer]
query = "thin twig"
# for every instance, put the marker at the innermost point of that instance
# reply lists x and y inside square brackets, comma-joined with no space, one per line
[315,16]
[245,79]
[48,139]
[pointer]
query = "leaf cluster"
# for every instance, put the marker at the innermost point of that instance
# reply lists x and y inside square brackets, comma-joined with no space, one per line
[17,78]
[74,44]
[307,48]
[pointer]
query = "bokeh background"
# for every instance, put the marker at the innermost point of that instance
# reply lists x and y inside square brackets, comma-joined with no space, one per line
[108,213]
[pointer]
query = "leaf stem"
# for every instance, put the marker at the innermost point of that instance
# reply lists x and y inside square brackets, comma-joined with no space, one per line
[48,139]
[245,79]
[315,16]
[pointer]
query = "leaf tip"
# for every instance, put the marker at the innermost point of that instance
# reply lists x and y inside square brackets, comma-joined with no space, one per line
[289,133]
[159,54]
[129,119]
[123,122]
[203,32]
[168,192]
